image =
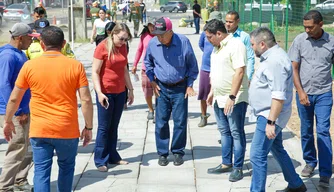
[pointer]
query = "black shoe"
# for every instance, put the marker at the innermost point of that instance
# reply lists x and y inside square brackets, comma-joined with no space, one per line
[302,188]
[220,169]
[163,161]
[220,141]
[236,175]
[324,182]
[178,159]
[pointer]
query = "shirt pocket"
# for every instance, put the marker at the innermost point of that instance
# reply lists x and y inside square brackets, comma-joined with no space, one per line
[180,61]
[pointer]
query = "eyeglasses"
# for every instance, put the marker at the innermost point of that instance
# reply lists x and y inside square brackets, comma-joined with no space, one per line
[122,39]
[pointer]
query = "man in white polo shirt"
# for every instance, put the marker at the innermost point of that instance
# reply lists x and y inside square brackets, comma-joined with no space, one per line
[229,94]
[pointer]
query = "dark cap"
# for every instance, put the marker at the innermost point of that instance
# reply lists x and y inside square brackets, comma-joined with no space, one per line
[22,29]
[162,25]
[40,24]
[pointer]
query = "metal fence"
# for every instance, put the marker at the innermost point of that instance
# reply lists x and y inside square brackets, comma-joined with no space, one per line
[283,17]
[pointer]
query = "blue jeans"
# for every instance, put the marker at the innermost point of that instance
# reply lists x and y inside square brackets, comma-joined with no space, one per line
[144,17]
[196,22]
[260,148]
[233,139]
[66,150]
[321,107]
[171,101]
[107,131]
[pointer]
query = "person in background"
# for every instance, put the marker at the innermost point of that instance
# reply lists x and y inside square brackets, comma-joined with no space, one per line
[40,4]
[143,11]
[145,37]
[110,76]
[229,96]
[38,13]
[94,12]
[36,50]
[135,16]
[18,160]
[54,81]
[172,68]
[204,80]
[231,23]
[197,15]
[99,27]
[125,12]
[270,95]
[114,11]
[312,57]
[109,27]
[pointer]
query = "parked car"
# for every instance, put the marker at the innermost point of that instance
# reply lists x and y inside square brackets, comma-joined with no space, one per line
[174,6]
[15,12]
[2,6]
[266,6]
[325,7]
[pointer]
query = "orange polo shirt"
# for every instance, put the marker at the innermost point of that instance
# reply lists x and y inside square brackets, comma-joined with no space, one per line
[53,80]
[112,70]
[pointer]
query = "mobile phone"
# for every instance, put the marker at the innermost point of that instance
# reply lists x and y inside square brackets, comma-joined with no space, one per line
[105,104]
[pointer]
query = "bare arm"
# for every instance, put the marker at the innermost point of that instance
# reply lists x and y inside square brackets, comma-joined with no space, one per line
[13,103]
[303,98]
[86,106]
[237,80]
[97,64]
[93,34]
[128,85]
[275,110]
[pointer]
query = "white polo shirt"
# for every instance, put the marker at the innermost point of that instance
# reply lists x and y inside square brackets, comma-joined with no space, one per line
[224,62]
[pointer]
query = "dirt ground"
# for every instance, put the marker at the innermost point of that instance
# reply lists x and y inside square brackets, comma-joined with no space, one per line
[294,123]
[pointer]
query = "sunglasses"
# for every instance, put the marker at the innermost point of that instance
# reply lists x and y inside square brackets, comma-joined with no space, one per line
[122,39]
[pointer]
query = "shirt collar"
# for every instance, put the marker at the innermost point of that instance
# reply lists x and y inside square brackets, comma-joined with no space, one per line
[52,53]
[237,32]
[224,42]
[324,37]
[265,55]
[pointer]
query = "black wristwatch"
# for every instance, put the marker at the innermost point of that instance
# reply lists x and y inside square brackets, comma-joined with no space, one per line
[232,97]
[89,129]
[270,122]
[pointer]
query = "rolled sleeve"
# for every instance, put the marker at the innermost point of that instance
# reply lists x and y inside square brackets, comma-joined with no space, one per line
[277,81]
[294,53]
[149,64]
[191,63]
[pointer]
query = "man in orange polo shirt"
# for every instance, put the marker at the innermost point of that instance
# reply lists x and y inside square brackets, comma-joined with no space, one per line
[53,80]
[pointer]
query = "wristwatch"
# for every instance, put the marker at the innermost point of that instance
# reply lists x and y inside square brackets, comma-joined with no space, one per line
[270,122]
[232,97]
[89,129]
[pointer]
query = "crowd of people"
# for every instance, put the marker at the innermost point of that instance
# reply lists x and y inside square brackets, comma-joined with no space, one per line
[40,79]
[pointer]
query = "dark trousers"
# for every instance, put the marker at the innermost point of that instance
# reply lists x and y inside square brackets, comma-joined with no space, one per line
[106,138]
[171,101]
[196,22]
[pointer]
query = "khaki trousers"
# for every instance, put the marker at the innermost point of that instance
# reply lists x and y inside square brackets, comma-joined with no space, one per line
[18,160]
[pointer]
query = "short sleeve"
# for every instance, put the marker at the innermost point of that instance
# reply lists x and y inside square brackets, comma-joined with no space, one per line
[82,79]
[22,79]
[239,55]
[294,53]
[100,51]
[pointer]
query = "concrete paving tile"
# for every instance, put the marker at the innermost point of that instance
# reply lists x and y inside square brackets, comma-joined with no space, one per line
[207,156]
[202,168]
[130,144]
[167,176]
[151,160]
[139,133]
[132,156]
[108,184]
[151,148]
[165,188]
[206,185]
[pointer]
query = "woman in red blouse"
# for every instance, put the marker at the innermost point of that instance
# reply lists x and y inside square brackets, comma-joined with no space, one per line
[110,76]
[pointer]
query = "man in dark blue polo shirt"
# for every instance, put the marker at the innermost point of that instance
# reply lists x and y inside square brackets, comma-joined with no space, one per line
[172,68]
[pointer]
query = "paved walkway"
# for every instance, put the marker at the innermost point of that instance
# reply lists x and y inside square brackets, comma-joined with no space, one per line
[137,145]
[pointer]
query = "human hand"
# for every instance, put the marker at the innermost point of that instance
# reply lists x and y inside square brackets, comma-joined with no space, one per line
[156,88]
[130,97]
[270,131]
[209,99]
[102,99]
[86,136]
[303,98]
[23,119]
[91,40]
[228,109]
[134,70]
[190,92]
[8,129]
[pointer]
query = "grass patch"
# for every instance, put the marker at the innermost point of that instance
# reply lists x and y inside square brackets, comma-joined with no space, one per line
[82,41]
